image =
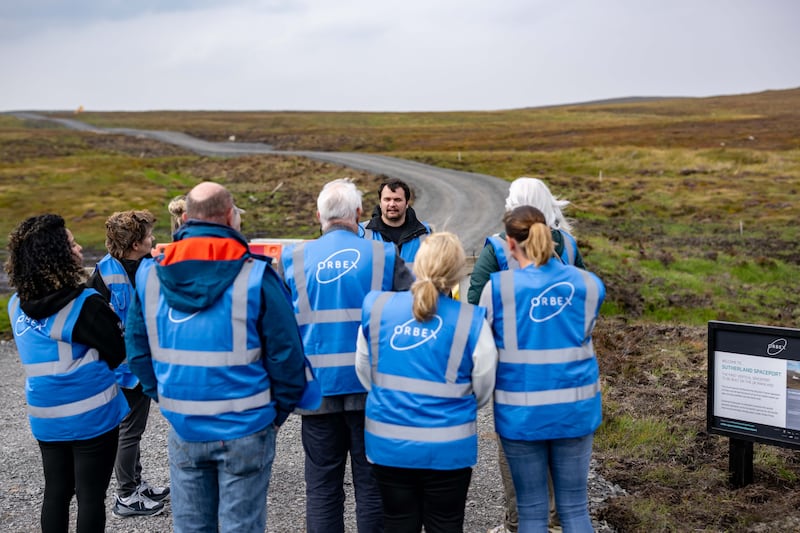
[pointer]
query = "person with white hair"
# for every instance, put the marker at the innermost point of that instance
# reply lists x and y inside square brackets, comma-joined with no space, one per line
[328,278]
[496,257]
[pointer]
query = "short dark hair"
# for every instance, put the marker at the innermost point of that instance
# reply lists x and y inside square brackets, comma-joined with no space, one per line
[394,184]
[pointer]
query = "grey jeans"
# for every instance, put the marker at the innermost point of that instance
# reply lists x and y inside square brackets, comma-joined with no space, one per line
[128,466]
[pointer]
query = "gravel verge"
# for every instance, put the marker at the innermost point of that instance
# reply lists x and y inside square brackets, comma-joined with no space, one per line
[22,483]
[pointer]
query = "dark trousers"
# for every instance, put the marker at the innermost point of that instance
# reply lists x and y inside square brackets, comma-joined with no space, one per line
[82,468]
[327,439]
[128,467]
[414,497]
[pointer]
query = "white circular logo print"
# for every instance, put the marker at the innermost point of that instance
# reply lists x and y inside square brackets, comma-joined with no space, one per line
[551,301]
[337,264]
[411,333]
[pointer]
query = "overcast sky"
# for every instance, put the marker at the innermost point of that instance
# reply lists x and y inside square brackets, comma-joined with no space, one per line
[387,55]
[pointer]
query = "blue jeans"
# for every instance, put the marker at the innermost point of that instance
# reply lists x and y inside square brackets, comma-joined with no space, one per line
[568,462]
[327,439]
[221,485]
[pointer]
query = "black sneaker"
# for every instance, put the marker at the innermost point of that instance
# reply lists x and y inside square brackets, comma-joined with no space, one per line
[136,505]
[156,494]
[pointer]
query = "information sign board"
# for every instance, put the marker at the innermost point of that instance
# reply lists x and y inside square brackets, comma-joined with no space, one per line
[754,383]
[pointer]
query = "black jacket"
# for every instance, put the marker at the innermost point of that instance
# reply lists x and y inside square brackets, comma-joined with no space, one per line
[411,228]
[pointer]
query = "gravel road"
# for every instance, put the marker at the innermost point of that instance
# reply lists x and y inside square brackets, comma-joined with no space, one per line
[445,198]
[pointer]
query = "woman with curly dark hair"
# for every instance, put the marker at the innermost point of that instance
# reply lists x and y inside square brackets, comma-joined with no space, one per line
[69,340]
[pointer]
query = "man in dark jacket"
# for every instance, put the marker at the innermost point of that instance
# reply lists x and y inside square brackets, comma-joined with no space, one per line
[212,337]
[394,220]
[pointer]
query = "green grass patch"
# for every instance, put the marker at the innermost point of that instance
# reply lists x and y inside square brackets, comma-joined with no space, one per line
[638,438]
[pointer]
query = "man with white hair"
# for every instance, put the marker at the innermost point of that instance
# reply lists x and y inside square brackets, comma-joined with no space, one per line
[495,257]
[328,278]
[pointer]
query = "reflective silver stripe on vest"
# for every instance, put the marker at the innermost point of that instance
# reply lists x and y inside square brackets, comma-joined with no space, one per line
[368,234]
[547,397]
[305,315]
[445,434]
[561,355]
[513,264]
[329,316]
[449,389]
[214,407]
[332,360]
[108,279]
[590,306]
[374,330]
[65,362]
[75,408]
[506,281]
[568,247]
[239,355]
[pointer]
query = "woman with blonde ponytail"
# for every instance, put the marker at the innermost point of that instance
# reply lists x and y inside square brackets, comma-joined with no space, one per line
[547,394]
[429,363]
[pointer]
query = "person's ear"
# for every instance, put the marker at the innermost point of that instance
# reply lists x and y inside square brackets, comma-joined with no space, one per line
[358,214]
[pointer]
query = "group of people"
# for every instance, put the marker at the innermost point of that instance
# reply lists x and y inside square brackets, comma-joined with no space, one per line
[356,331]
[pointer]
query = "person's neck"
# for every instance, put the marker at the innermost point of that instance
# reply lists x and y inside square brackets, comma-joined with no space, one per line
[521,258]
[341,224]
[134,255]
[393,223]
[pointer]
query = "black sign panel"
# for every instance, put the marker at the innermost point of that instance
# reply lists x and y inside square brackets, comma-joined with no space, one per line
[754,383]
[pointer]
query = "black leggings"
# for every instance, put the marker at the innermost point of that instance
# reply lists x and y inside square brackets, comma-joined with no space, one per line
[82,468]
[415,497]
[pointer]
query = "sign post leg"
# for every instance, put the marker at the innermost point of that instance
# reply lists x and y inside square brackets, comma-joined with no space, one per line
[740,463]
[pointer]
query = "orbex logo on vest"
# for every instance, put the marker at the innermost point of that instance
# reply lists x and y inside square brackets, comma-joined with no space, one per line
[551,301]
[776,346]
[411,334]
[24,323]
[337,265]
[175,316]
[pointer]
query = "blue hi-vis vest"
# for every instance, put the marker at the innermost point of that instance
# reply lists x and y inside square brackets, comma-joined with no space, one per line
[507,262]
[548,384]
[119,285]
[212,383]
[328,278]
[408,250]
[71,393]
[421,411]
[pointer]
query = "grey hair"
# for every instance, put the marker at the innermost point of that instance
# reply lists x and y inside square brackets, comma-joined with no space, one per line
[534,192]
[339,200]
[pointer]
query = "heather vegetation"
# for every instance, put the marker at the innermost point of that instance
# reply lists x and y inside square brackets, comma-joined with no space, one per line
[686,208]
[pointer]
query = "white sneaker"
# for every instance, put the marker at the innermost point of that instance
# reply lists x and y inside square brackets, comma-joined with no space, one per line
[136,505]
[156,494]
